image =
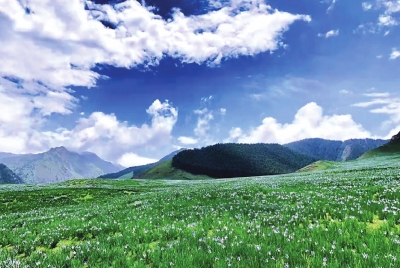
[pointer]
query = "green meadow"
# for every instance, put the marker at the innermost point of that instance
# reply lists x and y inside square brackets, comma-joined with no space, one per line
[342,216]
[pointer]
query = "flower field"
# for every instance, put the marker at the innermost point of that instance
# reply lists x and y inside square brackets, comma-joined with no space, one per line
[344,217]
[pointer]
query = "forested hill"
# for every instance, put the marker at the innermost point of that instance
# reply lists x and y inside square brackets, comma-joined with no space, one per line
[7,176]
[322,149]
[240,160]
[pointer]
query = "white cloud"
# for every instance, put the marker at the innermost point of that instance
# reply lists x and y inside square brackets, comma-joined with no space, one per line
[332,5]
[384,103]
[59,42]
[309,122]
[203,125]
[387,20]
[377,94]
[131,160]
[395,54]
[200,112]
[330,33]
[100,133]
[344,91]
[366,6]
[187,140]
[223,111]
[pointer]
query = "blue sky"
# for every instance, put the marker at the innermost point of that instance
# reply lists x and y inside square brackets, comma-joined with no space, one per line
[135,80]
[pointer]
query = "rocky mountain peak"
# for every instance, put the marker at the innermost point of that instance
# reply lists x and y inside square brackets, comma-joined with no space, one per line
[59,149]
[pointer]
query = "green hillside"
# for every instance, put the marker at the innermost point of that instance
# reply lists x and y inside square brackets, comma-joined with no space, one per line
[240,160]
[389,149]
[127,173]
[164,170]
[319,165]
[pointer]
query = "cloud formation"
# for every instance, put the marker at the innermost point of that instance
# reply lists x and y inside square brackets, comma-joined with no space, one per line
[48,46]
[309,122]
[132,160]
[395,54]
[386,104]
[330,33]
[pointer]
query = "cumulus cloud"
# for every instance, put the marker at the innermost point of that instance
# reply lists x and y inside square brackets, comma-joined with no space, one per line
[187,140]
[222,111]
[309,122]
[388,17]
[132,160]
[48,46]
[330,33]
[100,133]
[60,41]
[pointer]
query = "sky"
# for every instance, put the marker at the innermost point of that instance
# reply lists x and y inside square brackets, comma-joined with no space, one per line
[135,80]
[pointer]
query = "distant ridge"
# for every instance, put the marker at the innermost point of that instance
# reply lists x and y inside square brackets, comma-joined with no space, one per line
[57,165]
[330,150]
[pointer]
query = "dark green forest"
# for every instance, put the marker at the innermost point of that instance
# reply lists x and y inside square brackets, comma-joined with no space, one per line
[240,160]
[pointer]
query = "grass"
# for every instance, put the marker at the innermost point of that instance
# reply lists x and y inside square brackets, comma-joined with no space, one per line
[346,216]
[319,165]
[164,170]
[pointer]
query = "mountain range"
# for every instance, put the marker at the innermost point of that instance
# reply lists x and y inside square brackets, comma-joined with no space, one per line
[192,165]
[57,165]
[335,150]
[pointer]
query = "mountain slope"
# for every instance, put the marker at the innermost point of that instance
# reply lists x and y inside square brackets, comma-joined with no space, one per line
[8,177]
[164,170]
[128,172]
[57,165]
[322,149]
[136,170]
[240,160]
[391,148]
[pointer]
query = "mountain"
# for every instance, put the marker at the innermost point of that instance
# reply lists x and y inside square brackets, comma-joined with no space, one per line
[391,148]
[57,165]
[136,170]
[5,155]
[322,149]
[8,177]
[240,160]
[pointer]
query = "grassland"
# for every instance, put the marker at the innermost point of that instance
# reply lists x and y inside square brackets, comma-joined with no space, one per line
[347,216]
